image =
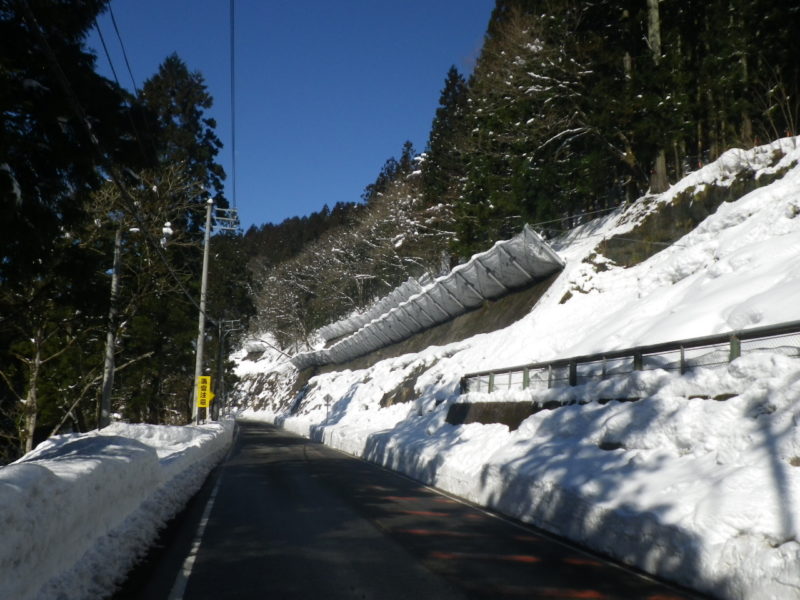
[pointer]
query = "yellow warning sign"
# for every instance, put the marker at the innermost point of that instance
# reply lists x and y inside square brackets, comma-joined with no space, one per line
[204,393]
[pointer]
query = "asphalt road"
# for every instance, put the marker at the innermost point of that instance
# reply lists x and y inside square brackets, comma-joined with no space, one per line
[286,518]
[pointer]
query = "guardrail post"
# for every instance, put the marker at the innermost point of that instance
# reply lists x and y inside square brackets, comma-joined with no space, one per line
[603,373]
[491,382]
[464,386]
[736,348]
[526,378]
[573,373]
[638,361]
[683,361]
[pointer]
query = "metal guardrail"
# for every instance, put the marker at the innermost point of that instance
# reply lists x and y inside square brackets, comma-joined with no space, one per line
[683,355]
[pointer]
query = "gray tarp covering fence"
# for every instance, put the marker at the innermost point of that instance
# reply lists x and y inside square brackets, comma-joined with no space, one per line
[412,308]
[384,305]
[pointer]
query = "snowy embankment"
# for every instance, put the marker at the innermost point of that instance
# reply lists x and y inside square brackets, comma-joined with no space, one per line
[78,511]
[700,491]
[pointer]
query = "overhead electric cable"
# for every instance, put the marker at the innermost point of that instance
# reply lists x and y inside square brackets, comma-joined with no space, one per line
[124,53]
[116,79]
[576,215]
[233,102]
[105,50]
[150,137]
[110,169]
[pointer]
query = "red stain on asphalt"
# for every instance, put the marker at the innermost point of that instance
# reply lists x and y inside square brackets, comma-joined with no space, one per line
[507,591]
[423,513]
[400,498]
[583,562]
[519,558]
[527,538]
[568,593]
[436,532]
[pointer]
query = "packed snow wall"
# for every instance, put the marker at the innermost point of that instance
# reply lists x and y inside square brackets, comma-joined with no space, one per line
[509,264]
[82,508]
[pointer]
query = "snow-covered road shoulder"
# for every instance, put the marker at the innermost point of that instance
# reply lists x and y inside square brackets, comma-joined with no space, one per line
[79,510]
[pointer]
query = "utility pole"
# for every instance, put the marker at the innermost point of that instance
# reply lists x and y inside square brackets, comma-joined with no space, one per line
[201,327]
[111,335]
[225,327]
[104,418]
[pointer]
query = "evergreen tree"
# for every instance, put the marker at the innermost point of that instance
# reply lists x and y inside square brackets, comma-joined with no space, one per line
[178,98]
[161,284]
[157,315]
[48,161]
[443,165]
[393,169]
[61,125]
[525,122]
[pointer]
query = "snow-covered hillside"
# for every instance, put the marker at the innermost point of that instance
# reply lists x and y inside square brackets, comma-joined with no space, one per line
[703,492]
[78,511]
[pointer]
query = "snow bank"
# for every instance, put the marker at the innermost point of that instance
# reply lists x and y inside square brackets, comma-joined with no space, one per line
[79,510]
[703,492]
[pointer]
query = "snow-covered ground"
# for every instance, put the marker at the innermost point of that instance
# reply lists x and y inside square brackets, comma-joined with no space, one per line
[77,512]
[703,492]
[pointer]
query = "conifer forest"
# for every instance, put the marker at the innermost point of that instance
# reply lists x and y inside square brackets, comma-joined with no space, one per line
[572,108]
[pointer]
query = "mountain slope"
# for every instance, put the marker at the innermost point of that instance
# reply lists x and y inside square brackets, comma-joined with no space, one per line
[666,483]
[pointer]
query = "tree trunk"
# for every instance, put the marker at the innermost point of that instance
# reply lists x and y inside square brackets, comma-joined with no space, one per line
[658,178]
[31,398]
[747,123]
[654,29]
[111,336]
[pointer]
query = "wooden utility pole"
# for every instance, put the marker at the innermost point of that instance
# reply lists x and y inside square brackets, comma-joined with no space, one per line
[201,326]
[111,335]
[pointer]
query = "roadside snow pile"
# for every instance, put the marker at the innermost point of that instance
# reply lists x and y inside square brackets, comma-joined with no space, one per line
[700,491]
[78,511]
[703,492]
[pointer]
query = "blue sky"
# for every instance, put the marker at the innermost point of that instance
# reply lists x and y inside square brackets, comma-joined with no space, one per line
[326,90]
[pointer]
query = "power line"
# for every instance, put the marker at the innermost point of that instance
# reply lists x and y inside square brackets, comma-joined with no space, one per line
[233,101]
[150,137]
[122,46]
[575,216]
[116,79]
[105,50]
[105,162]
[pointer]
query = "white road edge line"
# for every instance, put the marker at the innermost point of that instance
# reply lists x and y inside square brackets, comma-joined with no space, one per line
[179,587]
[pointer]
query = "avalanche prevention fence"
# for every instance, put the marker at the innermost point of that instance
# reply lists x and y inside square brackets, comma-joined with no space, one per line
[412,308]
[684,355]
